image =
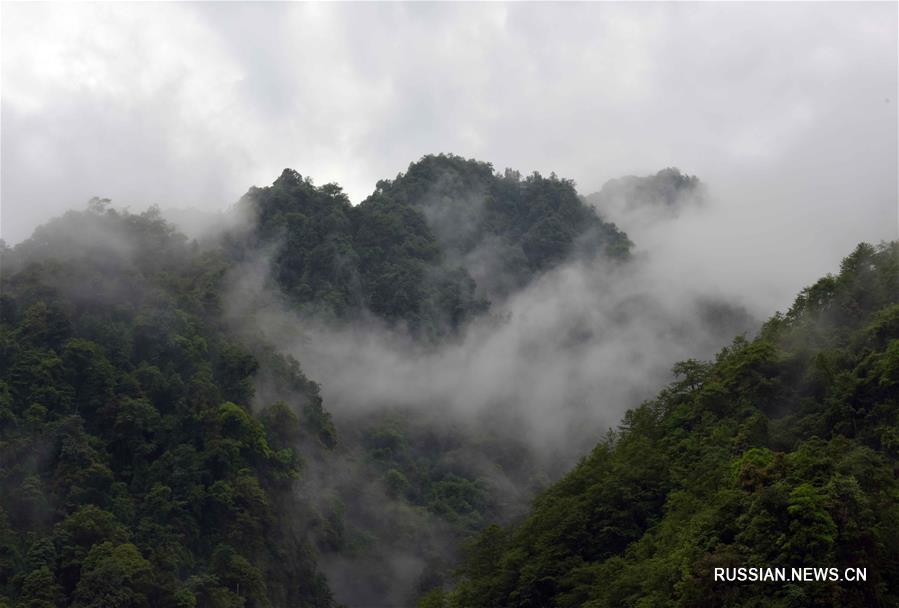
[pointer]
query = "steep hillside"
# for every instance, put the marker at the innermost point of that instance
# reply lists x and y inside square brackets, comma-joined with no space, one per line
[782,452]
[132,471]
[157,451]
[160,447]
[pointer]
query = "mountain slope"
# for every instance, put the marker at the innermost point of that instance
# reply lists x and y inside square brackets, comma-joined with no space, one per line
[781,452]
[159,452]
[133,472]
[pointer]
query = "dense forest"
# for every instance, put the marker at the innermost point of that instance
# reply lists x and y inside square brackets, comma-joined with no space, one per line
[159,447]
[782,451]
[133,472]
[427,249]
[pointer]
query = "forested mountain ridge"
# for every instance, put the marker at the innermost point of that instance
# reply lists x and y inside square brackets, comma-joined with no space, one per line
[139,466]
[429,248]
[156,449]
[132,470]
[780,452]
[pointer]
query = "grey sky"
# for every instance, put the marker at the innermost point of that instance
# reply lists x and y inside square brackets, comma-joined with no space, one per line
[787,111]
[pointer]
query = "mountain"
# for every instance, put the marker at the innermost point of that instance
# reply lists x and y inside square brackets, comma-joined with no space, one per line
[158,452]
[428,249]
[667,192]
[781,452]
[474,331]
[133,471]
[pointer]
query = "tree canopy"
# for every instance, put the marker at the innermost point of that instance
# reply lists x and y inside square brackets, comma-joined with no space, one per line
[427,249]
[781,452]
[153,454]
[133,471]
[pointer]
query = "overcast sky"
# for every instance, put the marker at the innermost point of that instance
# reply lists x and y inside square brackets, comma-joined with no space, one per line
[788,111]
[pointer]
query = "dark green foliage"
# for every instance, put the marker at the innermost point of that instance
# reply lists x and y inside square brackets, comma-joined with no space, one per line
[410,459]
[314,261]
[781,452]
[136,472]
[409,252]
[518,227]
[132,470]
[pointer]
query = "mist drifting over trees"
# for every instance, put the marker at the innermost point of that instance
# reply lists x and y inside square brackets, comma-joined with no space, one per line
[563,305]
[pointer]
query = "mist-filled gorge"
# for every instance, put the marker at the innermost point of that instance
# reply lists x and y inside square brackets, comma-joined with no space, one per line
[449,305]
[465,411]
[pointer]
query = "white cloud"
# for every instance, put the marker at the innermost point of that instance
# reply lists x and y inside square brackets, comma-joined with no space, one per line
[781,108]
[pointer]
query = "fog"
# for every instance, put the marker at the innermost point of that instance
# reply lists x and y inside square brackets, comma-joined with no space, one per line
[560,360]
[789,110]
[786,112]
[542,376]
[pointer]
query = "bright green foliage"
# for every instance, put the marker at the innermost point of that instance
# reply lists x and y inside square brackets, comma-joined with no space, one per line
[781,452]
[133,471]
